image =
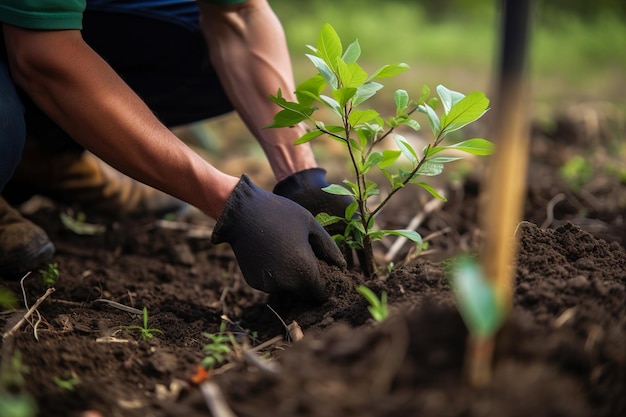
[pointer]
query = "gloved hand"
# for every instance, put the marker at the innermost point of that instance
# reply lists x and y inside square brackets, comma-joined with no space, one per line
[305,188]
[277,243]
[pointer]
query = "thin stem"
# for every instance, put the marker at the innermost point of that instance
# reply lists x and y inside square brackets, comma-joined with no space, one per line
[405,182]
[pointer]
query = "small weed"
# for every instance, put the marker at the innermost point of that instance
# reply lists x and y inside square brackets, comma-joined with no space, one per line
[15,401]
[78,224]
[50,275]
[378,306]
[7,299]
[577,172]
[218,348]
[144,331]
[67,384]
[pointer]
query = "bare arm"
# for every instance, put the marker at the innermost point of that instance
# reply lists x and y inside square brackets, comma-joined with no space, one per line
[248,49]
[83,95]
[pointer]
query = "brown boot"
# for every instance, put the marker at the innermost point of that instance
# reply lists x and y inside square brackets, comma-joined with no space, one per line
[23,245]
[80,178]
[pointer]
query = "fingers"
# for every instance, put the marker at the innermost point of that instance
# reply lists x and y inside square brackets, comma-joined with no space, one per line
[324,246]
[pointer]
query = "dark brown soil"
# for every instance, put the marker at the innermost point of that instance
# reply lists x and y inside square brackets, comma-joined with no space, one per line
[561,353]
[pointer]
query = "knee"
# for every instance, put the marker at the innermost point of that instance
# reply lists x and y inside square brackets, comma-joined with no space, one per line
[12,126]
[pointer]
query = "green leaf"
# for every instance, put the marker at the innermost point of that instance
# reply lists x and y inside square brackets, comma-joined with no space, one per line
[389,71]
[292,113]
[358,117]
[79,226]
[401,99]
[412,235]
[476,299]
[309,90]
[343,95]
[371,189]
[430,169]
[464,112]
[337,189]
[351,210]
[406,149]
[326,219]
[351,75]
[286,118]
[332,104]
[448,97]
[329,45]
[412,124]
[424,94]
[352,53]
[372,160]
[389,157]
[377,307]
[365,92]
[431,190]
[444,159]
[433,119]
[476,146]
[308,136]
[325,71]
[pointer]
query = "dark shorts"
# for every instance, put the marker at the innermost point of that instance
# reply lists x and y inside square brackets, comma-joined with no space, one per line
[157,47]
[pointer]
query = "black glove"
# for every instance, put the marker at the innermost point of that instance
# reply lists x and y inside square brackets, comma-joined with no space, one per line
[305,188]
[277,243]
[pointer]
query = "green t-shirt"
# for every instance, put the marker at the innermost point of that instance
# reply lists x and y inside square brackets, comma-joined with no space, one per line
[54,14]
[43,14]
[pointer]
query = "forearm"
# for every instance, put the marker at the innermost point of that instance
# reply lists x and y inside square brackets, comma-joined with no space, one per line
[248,49]
[84,96]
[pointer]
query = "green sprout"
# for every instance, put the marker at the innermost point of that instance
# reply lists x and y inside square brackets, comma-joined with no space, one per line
[78,224]
[7,299]
[577,172]
[218,348]
[378,306]
[15,401]
[50,274]
[361,130]
[67,384]
[144,331]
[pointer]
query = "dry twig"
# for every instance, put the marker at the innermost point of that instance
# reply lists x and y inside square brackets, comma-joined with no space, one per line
[215,400]
[28,313]
[429,207]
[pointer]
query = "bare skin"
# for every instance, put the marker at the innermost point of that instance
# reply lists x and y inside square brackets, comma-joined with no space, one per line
[82,94]
[248,50]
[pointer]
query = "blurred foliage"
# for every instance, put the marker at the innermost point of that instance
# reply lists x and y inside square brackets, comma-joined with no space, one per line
[576,54]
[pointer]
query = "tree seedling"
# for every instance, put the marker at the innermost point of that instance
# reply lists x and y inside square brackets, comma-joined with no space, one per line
[144,331]
[361,130]
[378,306]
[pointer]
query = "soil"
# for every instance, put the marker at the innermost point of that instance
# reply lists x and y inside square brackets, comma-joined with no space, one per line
[562,351]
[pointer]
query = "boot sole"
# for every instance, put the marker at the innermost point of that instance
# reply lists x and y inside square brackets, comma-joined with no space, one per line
[16,268]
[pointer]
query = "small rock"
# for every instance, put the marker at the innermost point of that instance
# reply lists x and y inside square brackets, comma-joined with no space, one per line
[579,281]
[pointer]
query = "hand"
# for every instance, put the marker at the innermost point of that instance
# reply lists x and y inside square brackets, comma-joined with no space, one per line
[305,188]
[277,243]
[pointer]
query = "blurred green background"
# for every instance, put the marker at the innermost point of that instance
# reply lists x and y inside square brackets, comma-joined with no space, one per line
[577,64]
[578,47]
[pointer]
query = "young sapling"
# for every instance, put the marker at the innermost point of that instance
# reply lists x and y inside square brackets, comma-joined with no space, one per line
[361,131]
